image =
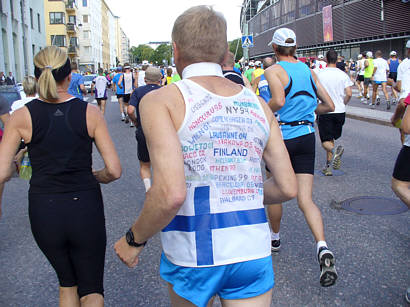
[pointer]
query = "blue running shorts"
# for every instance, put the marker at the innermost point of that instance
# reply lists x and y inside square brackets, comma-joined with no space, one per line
[232,281]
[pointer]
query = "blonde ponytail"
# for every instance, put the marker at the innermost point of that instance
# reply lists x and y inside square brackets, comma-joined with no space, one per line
[45,61]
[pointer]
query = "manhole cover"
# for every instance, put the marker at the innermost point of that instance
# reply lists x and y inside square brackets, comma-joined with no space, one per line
[372,205]
[335,172]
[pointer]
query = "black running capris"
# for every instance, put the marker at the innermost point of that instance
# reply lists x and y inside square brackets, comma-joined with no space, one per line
[402,166]
[69,228]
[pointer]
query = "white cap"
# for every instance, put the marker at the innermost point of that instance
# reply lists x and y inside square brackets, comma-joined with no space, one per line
[408,44]
[320,56]
[258,63]
[393,53]
[369,54]
[145,62]
[281,35]
[251,64]
[359,56]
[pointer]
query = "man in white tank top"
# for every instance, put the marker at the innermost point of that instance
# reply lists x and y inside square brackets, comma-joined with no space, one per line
[206,138]
[128,83]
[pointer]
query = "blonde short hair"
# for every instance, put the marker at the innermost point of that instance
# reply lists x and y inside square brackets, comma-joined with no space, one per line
[200,35]
[51,57]
[29,85]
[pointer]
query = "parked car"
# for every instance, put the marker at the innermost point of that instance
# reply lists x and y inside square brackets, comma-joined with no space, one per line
[88,80]
[11,93]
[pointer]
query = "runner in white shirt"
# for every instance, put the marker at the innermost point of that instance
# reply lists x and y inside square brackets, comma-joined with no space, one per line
[360,76]
[320,64]
[338,85]
[127,82]
[381,69]
[100,84]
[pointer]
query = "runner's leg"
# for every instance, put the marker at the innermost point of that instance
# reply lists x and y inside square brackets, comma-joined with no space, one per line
[102,106]
[263,300]
[178,301]
[121,104]
[402,190]
[92,300]
[69,297]
[374,94]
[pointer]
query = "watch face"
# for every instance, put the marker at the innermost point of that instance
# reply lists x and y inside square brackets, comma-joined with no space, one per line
[129,237]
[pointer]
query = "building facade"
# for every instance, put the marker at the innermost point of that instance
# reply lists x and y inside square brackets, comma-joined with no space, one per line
[348,26]
[125,48]
[23,35]
[62,26]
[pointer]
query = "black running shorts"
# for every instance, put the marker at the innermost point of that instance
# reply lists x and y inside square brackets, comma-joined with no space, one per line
[69,228]
[127,98]
[402,167]
[330,126]
[360,78]
[143,154]
[302,153]
[119,96]
[393,75]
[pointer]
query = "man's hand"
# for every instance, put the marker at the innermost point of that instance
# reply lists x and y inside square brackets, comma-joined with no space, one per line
[128,254]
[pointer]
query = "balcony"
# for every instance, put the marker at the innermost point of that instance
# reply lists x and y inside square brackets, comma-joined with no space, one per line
[73,50]
[71,6]
[72,28]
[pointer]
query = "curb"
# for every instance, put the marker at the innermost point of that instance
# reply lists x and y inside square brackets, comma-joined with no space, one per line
[369,119]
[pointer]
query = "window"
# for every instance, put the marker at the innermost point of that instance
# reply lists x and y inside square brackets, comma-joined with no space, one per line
[31,18]
[58,40]
[34,49]
[57,17]
[84,3]
[73,41]
[288,10]
[85,18]
[86,34]
[12,8]
[306,7]
[71,19]
[38,22]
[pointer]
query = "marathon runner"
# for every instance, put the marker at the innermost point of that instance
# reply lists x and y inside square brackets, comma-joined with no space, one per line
[228,70]
[338,85]
[380,78]
[207,194]
[100,83]
[249,71]
[152,82]
[120,92]
[127,81]
[394,63]
[368,74]
[296,117]
[257,73]
[360,76]
[261,83]
[76,88]
[141,73]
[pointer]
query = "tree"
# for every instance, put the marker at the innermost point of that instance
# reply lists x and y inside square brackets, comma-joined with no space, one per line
[163,52]
[233,47]
[141,53]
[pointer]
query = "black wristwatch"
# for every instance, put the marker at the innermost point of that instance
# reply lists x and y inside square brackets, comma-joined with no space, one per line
[130,239]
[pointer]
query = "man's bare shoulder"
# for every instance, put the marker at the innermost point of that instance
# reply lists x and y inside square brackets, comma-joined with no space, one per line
[162,96]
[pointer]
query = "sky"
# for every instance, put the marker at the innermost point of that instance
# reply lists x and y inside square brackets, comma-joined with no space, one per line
[144,21]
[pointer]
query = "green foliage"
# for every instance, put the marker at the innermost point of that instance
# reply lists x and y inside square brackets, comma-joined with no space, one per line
[145,52]
[233,48]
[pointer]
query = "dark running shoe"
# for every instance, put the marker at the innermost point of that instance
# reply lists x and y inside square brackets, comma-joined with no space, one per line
[388,105]
[328,274]
[336,161]
[275,245]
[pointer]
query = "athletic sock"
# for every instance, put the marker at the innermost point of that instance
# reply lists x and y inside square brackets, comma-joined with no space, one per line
[147,184]
[274,235]
[319,245]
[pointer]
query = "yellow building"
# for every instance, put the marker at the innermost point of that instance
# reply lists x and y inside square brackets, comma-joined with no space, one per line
[61,25]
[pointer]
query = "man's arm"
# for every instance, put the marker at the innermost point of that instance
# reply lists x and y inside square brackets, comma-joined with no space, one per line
[366,63]
[398,113]
[282,186]
[276,88]
[82,87]
[255,83]
[348,95]
[326,105]
[120,81]
[168,190]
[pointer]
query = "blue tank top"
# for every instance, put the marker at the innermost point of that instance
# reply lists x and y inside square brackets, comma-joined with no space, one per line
[301,100]
[394,64]
[264,90]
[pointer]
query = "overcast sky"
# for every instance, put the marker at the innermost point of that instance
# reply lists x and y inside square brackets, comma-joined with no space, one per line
[145,21]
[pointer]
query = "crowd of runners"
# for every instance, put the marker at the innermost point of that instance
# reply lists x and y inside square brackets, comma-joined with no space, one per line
[203,129]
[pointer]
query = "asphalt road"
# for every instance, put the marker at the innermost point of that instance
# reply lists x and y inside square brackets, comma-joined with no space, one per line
[372,251]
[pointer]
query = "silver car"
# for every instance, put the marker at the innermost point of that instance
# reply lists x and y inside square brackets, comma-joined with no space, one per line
[88,80]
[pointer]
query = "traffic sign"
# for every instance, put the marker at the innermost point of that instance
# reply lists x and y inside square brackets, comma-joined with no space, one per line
[247,41]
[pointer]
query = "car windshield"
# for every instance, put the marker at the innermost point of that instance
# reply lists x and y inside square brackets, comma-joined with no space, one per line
[89,78]
[10,96]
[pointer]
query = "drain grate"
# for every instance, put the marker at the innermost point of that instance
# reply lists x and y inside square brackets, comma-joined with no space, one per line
[373,205]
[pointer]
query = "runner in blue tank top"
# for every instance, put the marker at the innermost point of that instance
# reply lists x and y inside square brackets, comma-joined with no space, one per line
[296,114]
[394,63]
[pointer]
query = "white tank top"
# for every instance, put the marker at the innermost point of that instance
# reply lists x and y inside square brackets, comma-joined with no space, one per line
[223,219]
[128,83]
[141,78]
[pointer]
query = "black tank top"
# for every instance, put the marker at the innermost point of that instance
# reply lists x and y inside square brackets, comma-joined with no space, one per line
[60,150]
